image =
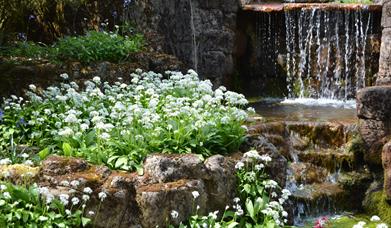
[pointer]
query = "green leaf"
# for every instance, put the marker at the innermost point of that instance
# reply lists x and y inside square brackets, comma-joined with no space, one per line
[121,162]
[85,221]
[67,148]
[250,209]
[43,153]
[232,225]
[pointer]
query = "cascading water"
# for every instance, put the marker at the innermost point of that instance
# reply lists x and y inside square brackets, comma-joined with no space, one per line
[326,52]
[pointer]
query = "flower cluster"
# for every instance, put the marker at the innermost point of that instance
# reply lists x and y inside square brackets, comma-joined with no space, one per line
[119,124]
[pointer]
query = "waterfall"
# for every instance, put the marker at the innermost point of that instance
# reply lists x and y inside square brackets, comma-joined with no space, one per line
[317,65]
[194,41]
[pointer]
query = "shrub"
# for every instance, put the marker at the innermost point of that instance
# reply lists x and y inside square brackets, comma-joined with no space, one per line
[97,46]
[92,47]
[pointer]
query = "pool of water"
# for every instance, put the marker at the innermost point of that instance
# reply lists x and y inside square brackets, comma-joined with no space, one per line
[320,110]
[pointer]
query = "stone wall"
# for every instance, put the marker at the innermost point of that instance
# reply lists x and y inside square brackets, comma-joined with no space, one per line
[374,108]
[201,33]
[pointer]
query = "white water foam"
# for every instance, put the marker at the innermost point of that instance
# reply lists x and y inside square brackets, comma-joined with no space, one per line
[322,102]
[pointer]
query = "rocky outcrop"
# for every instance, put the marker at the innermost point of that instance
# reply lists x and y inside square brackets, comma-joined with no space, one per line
[373,109]
[201,33]
[182,183]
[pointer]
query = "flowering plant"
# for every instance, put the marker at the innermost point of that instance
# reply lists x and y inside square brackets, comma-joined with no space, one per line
[259,202]
[120,124]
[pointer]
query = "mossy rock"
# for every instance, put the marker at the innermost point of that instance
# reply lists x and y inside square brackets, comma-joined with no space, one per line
[376,204]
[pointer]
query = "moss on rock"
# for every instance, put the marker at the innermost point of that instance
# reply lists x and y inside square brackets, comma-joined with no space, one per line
[376,204]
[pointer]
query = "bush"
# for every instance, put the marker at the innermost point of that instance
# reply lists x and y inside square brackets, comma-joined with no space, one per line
[94,46]
[97,46]
[120,124]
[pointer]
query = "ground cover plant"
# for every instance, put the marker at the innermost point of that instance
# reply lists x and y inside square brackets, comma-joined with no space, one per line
[120,124]
[92,47]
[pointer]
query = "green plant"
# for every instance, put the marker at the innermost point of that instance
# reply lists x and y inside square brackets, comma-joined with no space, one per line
[98,46]
[35,207]
[258,203]
[119,125]
[92,47]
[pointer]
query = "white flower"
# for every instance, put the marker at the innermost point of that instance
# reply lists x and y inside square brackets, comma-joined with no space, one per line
[28,162]
[5,161]
[96,79]
[75,200]
[32,87]
[68,212]
[102,196]
[64,198]
[253,154]
[24,155]
[213,215]
[382,225]
[174,214]
[86,197]
[259,167]
[64,183]
[66,132]
[75,183]
[375,218]
[284,214]
[91,213]
[64,76]
[266,158]
[3,187]
[71,118]
[6,195]
[239,165]
[236,200]
[87,190]
[195,194]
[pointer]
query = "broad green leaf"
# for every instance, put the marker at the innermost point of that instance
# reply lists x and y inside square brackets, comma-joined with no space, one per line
[43,153]
[67,148]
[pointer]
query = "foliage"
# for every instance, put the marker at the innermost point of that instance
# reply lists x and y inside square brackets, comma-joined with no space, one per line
[97,46]
[92,47]
[258,205]
[35,207]
[120,124]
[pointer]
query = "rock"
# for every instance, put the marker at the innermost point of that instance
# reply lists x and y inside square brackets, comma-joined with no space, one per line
[157,201]
[221,185]
[374,103]
[307,173]
[384,74]
[19,173]
[58,165]
[386,160]
[199,33]
[374,133]
[167,168]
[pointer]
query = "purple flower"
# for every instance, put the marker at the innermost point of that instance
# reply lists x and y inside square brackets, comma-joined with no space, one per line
[21,122]
[22,36]
[1,115]
[115,14]
[127,2]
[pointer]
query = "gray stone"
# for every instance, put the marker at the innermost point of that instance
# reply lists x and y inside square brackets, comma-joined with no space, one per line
[221,185]
[157,201]
[384,74]
[374,103]
[167,168]
[386,160]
